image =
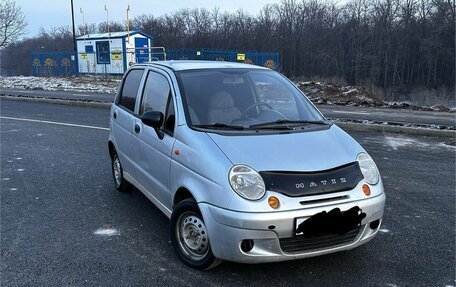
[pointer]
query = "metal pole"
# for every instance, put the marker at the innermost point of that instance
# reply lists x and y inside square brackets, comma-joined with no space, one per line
[109,37]
[128,25]
[84,27]
[107,20]
[75,50]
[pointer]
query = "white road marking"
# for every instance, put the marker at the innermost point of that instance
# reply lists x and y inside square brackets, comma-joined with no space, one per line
[6,178]
[55,123]
[348,112]
[107,232]
[384,230]
[18,158]
[13,189]
[20,169]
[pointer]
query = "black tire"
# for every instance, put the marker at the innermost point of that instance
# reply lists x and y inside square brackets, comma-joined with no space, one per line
[184,209]
[121,184]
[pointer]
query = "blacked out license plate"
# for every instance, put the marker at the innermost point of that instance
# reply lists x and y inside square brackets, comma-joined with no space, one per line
[331,222]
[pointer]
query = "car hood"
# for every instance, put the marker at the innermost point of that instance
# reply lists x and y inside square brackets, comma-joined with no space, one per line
[304,151]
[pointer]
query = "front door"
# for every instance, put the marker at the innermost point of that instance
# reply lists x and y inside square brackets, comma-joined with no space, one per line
[122,114]
[152,154]
[141,51]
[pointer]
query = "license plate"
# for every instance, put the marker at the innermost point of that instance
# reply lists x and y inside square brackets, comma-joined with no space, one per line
[332,222]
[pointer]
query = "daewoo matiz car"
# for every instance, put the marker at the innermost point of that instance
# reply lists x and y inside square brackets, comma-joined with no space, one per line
[244,165]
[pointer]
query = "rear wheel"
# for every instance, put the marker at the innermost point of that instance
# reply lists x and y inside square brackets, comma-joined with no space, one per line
[117,172]
[189,236]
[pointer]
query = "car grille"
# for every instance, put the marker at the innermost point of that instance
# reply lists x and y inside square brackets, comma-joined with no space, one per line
[300,243]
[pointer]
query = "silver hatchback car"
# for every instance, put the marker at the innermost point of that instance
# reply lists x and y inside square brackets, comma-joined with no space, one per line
[244,165]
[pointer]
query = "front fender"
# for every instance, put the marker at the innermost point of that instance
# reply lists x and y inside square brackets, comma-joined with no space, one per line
[201,168]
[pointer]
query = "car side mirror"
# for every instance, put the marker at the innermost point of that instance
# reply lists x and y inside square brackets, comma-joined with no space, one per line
[154,119]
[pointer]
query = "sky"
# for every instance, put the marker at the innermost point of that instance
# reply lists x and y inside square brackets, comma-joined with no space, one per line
[54,13]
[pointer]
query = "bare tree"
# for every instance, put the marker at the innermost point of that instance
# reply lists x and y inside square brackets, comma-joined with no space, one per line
[12,23]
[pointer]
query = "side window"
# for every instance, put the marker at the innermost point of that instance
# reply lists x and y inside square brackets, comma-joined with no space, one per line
[157,97]
[130,89]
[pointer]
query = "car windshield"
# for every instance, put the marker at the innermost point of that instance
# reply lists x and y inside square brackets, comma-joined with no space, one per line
[243,99]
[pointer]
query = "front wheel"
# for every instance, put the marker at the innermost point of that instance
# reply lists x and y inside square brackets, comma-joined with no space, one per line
[117,172]
[189,236]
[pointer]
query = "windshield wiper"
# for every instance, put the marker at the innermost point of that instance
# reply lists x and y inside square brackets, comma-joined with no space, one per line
[290,123]
[220,126]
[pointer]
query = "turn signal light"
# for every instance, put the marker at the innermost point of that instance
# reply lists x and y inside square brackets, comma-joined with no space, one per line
[366,189]
[273,202]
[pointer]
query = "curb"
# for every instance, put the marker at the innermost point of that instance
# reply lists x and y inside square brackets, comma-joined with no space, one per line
[344,125]
[395,129]
[102,105]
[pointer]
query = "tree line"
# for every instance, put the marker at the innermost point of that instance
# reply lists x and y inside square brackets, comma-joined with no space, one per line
[382,43]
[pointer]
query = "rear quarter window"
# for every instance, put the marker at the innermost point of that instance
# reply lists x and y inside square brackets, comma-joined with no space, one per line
[127,97]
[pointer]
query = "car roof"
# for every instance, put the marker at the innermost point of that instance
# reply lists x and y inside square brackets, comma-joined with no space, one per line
[182,65]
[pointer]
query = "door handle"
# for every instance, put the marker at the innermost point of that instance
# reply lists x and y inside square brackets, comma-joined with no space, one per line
[114,115]
[137,128]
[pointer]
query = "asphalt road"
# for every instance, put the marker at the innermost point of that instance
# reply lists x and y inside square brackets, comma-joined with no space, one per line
[333,111]
[57,192]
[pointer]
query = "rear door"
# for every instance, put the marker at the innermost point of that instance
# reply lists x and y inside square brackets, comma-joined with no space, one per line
[123,117]
[152,154]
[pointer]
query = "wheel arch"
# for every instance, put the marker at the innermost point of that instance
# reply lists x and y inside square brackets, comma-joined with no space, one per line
[111,148]
[181,194]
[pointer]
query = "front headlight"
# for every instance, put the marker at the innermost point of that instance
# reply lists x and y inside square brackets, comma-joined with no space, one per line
[368,168]
[246,182]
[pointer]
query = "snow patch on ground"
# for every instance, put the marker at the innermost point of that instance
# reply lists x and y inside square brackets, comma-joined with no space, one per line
[445,145]
[398,142]
[107,232]
[72,84]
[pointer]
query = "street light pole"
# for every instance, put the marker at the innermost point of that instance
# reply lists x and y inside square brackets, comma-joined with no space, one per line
[74,39]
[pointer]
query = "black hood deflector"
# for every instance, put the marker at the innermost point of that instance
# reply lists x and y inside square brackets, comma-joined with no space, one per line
[296,184]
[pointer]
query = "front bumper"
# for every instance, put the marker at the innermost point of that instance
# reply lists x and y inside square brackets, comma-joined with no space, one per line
[227,229]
